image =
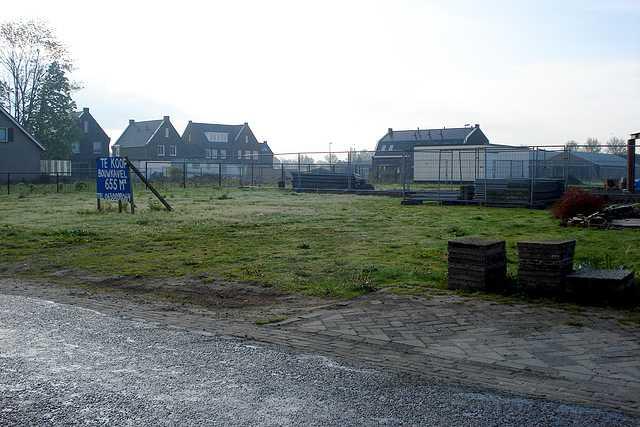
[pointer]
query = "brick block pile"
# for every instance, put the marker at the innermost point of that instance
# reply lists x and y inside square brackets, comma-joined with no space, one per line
[544,266]
[597,286]
[476,264]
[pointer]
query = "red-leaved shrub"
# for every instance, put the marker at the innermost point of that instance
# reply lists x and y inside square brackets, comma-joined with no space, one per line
[576,201]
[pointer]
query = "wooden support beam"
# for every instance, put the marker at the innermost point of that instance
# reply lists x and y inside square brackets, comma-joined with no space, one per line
[148,184]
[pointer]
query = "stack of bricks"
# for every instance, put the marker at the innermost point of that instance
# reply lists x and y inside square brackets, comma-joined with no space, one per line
[544,266]
[476,264]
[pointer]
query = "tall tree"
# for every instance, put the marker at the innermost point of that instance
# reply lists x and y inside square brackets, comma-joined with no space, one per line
[616,146]
[54,125]
[27,49]
[593,145]
[571,145]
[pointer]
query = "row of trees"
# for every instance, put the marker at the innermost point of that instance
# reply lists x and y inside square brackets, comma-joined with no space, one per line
[34,84]
[614,145]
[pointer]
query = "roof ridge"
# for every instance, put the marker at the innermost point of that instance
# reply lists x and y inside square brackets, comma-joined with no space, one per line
[15,122]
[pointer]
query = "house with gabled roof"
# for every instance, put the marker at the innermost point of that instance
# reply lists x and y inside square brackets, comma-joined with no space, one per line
[222,143]
[93,143]
[394,155]
[150,140]
[20,152]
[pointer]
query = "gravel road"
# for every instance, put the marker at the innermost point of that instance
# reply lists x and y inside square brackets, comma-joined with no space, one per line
[61,364]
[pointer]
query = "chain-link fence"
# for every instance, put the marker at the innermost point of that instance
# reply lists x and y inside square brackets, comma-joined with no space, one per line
[532,176]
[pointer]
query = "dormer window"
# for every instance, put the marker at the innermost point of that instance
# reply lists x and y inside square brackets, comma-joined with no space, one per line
[217,136]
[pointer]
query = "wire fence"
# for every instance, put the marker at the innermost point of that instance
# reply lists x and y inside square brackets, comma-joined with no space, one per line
[499,174]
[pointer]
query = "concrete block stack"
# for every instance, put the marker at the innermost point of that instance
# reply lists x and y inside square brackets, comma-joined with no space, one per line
[477,264]
[544,266]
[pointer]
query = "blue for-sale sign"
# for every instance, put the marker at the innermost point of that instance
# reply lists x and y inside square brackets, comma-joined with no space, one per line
[112,179]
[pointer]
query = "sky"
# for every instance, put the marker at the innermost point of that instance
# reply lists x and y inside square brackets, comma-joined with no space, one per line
[305,74]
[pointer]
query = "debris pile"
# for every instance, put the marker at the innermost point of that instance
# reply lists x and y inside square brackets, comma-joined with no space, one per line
[611,216]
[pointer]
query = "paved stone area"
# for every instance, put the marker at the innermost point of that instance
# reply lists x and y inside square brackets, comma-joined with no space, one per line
[585,355]
[578,356]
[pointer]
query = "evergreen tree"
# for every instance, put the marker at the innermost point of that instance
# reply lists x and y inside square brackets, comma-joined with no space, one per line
[54,122]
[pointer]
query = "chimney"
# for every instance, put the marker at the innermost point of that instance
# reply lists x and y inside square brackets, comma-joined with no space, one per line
[165,118]
[190,122]
[131,121]
[85,110]
[390,131]
[477,125]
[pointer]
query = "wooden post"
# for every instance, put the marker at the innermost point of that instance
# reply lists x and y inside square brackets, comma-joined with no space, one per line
[120,206]
[631,164]
[148,184]
[220,175]
[131,202]
[98,203]
[8,182]
[57,182]
[184,174]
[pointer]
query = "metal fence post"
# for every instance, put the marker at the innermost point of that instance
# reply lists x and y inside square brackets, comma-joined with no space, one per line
[253,182]
[567,160]
[220,175]
[146,174]
[8,182]
[184,174]
[299,171]
[57,182]
[533,176]
[349,183]
[284,184]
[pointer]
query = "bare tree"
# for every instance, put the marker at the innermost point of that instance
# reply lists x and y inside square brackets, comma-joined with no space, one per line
[27,49]
[571,145]
[616,146]
[593,145]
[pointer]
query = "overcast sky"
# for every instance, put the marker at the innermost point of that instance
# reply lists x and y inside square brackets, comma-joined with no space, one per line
[305,73]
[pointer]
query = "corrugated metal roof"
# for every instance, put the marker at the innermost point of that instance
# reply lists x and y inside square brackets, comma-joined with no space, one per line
[601,159]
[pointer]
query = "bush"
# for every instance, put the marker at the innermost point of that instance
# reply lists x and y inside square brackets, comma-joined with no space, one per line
[576,201]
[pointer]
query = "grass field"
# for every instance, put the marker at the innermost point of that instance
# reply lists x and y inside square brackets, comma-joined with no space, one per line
[326,245]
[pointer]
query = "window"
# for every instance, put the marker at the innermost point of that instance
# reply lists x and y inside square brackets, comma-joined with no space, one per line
[255,155]
[160,150]
[86,126]
[214,154]
[247,155]
[246,139]
[239,154]
[166,132]
[217,136]
[116,150]
[4,135]
[207,153]
[173,151]
[390,147]
[189,137]
[97,147]
[223,154]
[75,148]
